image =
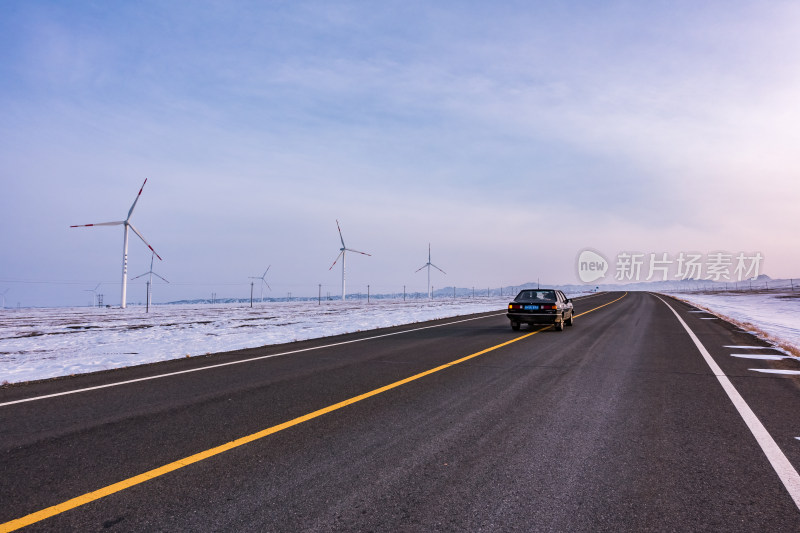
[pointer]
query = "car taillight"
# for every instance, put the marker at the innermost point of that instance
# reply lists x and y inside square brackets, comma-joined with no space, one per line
[514,306]
[548,306]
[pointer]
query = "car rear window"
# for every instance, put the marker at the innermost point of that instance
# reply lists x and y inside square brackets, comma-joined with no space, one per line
[536,295]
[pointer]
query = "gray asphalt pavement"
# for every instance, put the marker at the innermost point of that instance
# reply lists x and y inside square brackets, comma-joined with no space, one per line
[615,424]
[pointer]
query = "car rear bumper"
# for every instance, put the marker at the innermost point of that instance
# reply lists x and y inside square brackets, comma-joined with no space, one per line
[535,318]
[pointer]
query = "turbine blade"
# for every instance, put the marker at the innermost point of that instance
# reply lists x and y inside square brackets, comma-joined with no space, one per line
[134,203]
[99,224]
[340,233]
[144,240]
[267,284]
[265,272]
[439,269]
[356,251]
[156,275]
[420,268]
[337,259]
[139,276]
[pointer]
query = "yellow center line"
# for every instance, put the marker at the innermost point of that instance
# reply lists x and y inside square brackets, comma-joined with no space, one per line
[89,497]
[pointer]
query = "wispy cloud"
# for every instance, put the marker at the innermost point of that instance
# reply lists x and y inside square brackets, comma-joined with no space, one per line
[639,123]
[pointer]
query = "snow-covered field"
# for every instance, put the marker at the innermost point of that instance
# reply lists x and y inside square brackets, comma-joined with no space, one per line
[773,315]
[45,343]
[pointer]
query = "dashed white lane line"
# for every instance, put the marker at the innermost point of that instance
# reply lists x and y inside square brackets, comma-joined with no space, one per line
[761,356]
[757,348]
[749,347]
[786,472]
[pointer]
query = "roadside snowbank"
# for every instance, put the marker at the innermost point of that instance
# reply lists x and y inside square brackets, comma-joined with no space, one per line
[774,316]
[44,343]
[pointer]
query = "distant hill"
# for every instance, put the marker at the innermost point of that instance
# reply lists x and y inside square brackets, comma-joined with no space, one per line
[761,282]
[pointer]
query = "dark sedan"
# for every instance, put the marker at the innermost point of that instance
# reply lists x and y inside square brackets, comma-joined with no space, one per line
[541,306]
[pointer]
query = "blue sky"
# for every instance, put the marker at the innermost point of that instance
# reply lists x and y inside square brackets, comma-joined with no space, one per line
[510,135]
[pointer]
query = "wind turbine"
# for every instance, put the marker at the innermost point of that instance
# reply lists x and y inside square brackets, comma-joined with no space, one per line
[263,282]
[149,281]
[126,224]
[3,296]
[94,292]
[428,265]
[342,252]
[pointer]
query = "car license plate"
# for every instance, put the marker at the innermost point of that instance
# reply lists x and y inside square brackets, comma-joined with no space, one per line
[531,307]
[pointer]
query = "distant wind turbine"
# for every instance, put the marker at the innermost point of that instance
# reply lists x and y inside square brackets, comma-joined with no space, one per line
[94,292]
[126,224]
[428,265]
[342,252]
[3,296]
[149,282]
[263,279]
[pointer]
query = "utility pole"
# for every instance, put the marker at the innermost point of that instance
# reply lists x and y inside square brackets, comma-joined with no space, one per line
[251,294]
[320,295]
[367,292]
[404,293]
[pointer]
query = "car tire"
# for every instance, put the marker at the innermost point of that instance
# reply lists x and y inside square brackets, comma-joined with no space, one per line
[515,326]
[571,320]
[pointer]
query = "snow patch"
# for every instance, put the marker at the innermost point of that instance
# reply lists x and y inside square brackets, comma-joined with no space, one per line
[774,317]
[45,343]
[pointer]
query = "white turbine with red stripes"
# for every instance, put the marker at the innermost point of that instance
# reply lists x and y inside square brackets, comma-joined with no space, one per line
[342,251]
[428,265]
[125,224]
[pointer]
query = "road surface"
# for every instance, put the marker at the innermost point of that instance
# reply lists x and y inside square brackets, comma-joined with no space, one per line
[620,423]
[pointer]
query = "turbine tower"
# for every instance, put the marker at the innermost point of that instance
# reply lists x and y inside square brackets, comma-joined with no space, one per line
[342,253]
[428,265]
[263,279]
[94,294]
[3,296]
[125,224]
[149,281]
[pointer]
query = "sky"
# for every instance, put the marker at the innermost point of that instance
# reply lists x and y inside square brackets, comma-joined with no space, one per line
[508,135]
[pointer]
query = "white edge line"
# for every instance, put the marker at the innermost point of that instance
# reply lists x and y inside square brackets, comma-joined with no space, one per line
[147,378]
[786,472]
[209,367]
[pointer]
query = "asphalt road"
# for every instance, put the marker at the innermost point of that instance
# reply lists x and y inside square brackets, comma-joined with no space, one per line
[615,424]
